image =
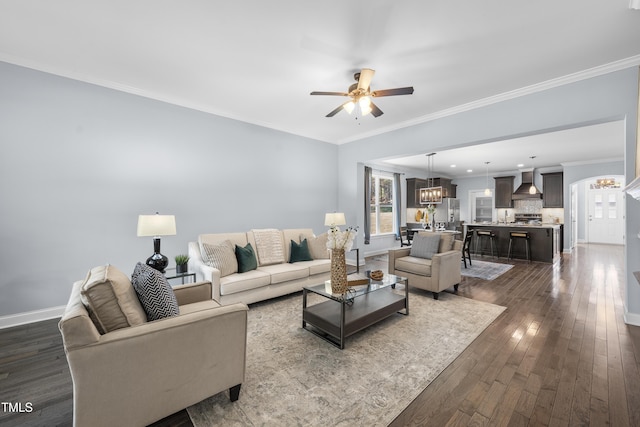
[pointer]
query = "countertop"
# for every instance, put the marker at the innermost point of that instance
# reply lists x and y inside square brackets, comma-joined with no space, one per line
[514,225]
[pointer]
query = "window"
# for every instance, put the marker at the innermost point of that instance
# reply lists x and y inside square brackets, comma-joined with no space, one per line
[597,211]
[381,200]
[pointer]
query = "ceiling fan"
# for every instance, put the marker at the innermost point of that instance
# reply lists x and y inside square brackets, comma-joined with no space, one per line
[361,95]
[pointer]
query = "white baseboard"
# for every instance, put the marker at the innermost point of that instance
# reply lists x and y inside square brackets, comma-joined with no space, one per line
[631,318]
[376,253]
[30,317]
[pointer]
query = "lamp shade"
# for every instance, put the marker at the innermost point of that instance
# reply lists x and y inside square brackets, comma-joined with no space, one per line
[334,218]
[156,225]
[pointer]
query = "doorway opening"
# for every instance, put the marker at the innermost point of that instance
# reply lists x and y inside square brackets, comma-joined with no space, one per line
[598,210]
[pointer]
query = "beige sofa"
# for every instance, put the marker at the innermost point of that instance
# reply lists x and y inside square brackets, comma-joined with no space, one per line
[136,375]
[440,272]
[270,279]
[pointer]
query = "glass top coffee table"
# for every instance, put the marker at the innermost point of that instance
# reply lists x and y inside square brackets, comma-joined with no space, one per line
[343,315]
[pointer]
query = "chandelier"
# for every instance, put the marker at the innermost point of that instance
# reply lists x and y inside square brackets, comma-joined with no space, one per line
[431,194]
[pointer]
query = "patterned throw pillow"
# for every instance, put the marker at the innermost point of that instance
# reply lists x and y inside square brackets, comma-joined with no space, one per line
[300,252]
[246,258]
[154,292]
[221,256]
[269,246]
[317,245]
[425,245]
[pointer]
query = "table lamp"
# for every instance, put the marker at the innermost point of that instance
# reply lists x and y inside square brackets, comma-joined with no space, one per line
[334,219]
[156,226]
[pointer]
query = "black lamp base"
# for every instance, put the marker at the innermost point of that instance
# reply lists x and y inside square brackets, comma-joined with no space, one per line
[157,260]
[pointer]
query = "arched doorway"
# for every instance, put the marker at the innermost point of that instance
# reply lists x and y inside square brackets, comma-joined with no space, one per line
[597,210]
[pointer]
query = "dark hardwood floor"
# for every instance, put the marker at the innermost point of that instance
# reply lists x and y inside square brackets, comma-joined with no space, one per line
[559,355]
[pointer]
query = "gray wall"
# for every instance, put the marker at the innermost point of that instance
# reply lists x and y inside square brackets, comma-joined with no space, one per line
[80,162]
[600,99]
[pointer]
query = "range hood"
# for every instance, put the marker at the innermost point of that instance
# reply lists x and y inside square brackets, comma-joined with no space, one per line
[524,191]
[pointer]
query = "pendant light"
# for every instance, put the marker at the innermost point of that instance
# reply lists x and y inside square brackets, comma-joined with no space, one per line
[532,189]
[487,191]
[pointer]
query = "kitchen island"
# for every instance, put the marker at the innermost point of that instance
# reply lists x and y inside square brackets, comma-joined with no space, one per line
[545,240]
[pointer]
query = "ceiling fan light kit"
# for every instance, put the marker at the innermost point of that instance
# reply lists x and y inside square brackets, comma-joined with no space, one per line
[360,93]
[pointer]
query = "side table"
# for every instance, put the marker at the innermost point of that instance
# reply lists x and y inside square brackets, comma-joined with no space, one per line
[171,274]
[357,258]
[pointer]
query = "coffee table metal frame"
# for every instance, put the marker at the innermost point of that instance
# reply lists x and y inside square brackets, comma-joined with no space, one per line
[362,306]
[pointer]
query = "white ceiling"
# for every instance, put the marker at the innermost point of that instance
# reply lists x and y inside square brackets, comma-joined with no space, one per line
[257,61]
[586,144]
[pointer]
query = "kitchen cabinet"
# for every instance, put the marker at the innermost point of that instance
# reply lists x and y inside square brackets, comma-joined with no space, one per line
[448,189]
[415,184]
[413,188]
[552,190]
[504,191]
[545,240]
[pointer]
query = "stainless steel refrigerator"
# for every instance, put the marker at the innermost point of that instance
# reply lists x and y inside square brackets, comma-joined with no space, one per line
[448,212]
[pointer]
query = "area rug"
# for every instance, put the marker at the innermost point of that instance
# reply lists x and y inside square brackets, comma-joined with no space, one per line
[485,270]
[294,378]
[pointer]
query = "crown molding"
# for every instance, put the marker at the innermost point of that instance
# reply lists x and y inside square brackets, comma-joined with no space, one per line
[527,90]
[592,162]
[600,70]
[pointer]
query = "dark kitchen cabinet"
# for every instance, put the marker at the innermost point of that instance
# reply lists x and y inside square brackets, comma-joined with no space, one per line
[504,190]
[415,184]
[413,188]
[552,190]
[448,189]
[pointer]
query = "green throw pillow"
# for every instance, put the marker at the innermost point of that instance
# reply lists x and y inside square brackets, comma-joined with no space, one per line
[300,252]
[246,258]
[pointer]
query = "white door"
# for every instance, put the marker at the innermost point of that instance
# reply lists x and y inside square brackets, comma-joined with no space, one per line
[480,206]
[606,216]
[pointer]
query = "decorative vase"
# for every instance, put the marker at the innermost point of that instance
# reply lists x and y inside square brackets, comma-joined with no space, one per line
[338,272]
[181,268]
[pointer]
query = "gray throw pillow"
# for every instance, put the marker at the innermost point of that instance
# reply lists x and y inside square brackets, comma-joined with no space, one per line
[154,292]
[425,245]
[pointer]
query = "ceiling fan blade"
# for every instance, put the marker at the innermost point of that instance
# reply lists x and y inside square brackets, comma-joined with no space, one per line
[366,74]
[392,92]
[330,93]
[375,111]
[336,111]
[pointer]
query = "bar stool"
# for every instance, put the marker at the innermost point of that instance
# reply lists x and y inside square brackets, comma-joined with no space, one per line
[466,248]
[520,235]
[481,238]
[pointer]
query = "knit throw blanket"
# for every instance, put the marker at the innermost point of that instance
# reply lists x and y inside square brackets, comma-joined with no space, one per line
[269,246]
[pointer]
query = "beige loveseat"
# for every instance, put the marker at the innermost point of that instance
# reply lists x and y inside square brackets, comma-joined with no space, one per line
[436,274]
[274,276]
[138,374]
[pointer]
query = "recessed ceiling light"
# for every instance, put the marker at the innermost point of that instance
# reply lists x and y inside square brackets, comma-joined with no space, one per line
[452,166]
[520,165]
[469,170]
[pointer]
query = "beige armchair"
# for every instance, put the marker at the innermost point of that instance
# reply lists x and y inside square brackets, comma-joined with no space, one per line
[136,375]
[440,272]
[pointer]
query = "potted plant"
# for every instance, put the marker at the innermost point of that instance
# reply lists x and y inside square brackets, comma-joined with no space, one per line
[181,263]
